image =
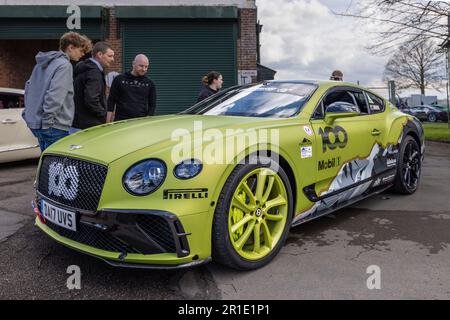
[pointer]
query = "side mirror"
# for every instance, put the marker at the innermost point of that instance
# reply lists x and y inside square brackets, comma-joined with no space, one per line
[340,109]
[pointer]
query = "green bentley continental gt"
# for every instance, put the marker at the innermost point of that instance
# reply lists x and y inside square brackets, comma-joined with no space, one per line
[226,179]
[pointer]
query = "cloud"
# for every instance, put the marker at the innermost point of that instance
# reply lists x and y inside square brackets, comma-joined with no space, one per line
[303,39]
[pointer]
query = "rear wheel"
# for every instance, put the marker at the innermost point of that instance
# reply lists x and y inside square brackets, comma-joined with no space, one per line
[432,117]
[252,217]
[409,167]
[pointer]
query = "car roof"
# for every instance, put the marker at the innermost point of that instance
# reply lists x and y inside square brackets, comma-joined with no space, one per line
[11,90]
[295,81]
[328,84]
[316,82]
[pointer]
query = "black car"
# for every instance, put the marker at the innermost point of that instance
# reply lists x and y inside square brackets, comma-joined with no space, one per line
[427,113]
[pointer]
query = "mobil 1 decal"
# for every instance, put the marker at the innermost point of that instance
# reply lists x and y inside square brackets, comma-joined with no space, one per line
[333,138]
[329,163]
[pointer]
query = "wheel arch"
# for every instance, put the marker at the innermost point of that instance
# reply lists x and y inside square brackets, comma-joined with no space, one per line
[401,126]
[414,128]
[415,136]
[286,166]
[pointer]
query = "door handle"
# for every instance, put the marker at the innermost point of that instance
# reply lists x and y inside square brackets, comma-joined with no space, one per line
[376,132]
[9,121]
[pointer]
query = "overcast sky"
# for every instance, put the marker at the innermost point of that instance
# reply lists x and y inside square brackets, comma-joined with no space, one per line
[303,39]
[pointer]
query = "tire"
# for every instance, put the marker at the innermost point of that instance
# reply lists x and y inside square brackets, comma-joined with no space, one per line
[235,246]
[409,167]
[432,117]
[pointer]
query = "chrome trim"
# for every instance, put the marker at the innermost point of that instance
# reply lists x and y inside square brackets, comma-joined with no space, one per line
[25,148]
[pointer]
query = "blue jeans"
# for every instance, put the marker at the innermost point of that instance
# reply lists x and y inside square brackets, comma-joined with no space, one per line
[73,130]
[48,136]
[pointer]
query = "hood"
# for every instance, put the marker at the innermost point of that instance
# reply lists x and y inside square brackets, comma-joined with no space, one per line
[109,142]
[44,58]
[84,66]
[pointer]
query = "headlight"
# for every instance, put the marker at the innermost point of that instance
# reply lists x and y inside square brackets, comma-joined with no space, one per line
[144,177]
[188,169]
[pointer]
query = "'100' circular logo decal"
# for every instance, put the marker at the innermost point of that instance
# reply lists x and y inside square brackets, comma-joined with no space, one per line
[339,141]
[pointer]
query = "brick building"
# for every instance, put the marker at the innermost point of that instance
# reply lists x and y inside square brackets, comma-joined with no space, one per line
[184,39]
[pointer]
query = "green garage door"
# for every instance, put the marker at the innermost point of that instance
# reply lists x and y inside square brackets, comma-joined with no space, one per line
[181,52]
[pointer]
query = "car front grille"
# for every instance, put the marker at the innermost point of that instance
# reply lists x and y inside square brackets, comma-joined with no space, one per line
[93,237]
[72,182]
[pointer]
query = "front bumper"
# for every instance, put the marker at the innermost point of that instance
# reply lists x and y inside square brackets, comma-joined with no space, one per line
[126,238]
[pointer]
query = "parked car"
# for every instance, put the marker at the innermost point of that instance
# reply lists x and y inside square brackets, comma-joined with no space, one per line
[16,140]
[179,190]
[427,113]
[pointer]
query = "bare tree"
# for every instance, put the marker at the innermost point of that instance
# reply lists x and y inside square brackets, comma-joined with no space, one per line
[416,65]
[399,21]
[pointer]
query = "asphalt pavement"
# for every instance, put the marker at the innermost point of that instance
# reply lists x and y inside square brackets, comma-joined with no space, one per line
[404,238]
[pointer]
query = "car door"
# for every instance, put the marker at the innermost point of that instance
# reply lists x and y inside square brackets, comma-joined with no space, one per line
[345,148]
[386,161]
[24,137]
[15,133]
[9,123]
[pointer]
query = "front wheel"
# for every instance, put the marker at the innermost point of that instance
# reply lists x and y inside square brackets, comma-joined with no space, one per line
[253,216]
[409,167]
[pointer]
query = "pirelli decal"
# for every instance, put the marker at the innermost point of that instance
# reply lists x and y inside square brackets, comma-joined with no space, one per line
[185,194]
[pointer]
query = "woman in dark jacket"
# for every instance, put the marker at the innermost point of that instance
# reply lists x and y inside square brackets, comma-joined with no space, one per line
[212,83]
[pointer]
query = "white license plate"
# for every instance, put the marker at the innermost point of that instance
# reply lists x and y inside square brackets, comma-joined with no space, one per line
[61,217]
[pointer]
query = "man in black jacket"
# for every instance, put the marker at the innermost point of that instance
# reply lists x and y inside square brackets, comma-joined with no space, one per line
[132,94]
[89,87]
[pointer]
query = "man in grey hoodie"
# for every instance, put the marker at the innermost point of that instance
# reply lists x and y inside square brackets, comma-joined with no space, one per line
[49,104]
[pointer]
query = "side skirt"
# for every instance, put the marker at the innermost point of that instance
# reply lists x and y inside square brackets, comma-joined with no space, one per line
[345,204]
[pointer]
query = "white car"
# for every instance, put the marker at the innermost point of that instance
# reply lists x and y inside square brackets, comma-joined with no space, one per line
[16,140]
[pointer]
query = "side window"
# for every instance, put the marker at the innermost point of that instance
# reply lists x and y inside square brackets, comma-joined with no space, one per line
[376,104]
[319,113]
[333,97]
[11,101]
[338,96]
[361,101]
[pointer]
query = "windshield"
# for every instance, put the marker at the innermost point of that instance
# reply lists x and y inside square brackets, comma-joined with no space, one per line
[267,100]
